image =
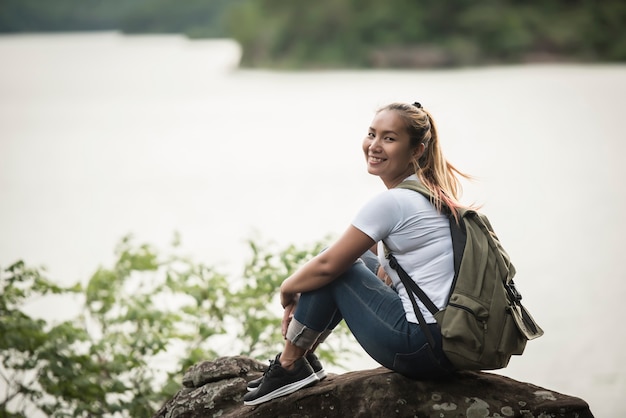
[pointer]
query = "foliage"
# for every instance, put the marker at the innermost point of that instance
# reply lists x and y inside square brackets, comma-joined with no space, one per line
[34,354]
[355,33]
[143,322]
[403,33]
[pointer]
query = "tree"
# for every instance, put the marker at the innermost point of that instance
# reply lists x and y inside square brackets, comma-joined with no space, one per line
[143,322]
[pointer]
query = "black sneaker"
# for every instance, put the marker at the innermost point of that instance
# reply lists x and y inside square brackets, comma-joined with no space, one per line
[315,363]
[278,381]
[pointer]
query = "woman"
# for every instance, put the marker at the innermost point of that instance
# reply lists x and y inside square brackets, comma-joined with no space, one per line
[401,143]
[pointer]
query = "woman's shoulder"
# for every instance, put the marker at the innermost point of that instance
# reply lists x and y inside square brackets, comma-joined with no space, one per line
[406,197]
[396,201]
[387,197]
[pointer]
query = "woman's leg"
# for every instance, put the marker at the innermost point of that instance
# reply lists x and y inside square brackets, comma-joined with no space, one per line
[310,338]
[375,315]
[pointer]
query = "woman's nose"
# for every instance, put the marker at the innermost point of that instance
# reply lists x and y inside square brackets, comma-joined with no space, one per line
[374,144]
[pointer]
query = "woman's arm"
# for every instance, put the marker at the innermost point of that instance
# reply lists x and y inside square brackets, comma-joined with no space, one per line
[326,266]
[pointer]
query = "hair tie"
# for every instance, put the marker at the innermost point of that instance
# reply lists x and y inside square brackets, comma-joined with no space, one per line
[417,104]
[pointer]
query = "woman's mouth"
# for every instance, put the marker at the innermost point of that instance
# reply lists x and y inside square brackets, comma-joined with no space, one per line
[375,160]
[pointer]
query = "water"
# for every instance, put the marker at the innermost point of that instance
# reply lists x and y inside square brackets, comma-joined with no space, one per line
[102,135]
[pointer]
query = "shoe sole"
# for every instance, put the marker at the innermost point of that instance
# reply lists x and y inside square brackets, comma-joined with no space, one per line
[284,390]
[321,375]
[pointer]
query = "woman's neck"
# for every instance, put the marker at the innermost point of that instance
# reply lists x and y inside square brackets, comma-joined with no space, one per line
[390,184]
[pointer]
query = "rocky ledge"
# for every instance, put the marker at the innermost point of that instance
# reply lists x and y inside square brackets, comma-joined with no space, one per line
[215,389]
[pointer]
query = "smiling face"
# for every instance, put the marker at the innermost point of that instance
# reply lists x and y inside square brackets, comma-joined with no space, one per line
[387,148]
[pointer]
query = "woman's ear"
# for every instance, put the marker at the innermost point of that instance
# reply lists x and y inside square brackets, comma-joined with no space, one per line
[419,151]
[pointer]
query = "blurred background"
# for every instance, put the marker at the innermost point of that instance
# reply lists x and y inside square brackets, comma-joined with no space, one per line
[356,34]
[222,120]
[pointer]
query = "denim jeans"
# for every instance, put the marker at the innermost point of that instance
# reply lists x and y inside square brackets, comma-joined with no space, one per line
[374,314]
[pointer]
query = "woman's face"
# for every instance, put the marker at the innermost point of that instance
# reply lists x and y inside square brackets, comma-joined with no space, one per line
[387,148]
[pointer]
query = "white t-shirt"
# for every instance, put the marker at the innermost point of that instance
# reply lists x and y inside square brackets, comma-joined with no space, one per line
[419,238]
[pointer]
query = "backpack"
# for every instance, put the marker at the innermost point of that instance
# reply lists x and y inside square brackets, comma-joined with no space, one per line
[483,322]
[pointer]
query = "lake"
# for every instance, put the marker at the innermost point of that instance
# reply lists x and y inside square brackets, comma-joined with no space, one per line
[102,135]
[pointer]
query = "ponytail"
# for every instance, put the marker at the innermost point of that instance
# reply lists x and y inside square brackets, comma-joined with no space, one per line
[432,169]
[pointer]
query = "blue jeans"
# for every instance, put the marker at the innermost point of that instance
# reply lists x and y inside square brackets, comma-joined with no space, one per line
[374,314]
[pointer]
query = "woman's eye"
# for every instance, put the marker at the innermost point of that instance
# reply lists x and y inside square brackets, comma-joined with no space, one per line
[388,138]
[370,135]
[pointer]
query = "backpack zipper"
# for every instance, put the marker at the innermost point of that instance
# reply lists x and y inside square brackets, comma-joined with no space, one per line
[468,310]
[465,308]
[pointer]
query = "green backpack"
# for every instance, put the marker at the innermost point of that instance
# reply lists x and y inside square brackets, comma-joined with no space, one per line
[483,323]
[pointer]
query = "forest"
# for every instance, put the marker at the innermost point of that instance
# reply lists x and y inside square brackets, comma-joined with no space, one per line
[355,34]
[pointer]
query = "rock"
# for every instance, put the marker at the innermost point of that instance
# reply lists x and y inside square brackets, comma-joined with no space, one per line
[215,389]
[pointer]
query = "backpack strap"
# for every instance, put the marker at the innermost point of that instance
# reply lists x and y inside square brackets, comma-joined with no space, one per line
[409,284]
[413,288]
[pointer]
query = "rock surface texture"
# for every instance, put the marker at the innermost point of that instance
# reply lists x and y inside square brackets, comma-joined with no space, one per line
[215,389]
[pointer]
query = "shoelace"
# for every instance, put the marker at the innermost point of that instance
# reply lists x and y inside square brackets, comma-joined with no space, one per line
[272,363]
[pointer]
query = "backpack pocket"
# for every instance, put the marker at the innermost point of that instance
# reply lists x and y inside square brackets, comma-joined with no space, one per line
[463,326]
[525,322]
[513,342]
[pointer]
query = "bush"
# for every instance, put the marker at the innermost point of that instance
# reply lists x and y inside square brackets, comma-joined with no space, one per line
[143,322]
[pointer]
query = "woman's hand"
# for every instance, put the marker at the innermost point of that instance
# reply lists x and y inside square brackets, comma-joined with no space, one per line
[287,317]
[289,301]
[382,275]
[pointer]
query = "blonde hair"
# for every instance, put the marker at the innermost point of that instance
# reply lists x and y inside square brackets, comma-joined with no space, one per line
[433,170]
